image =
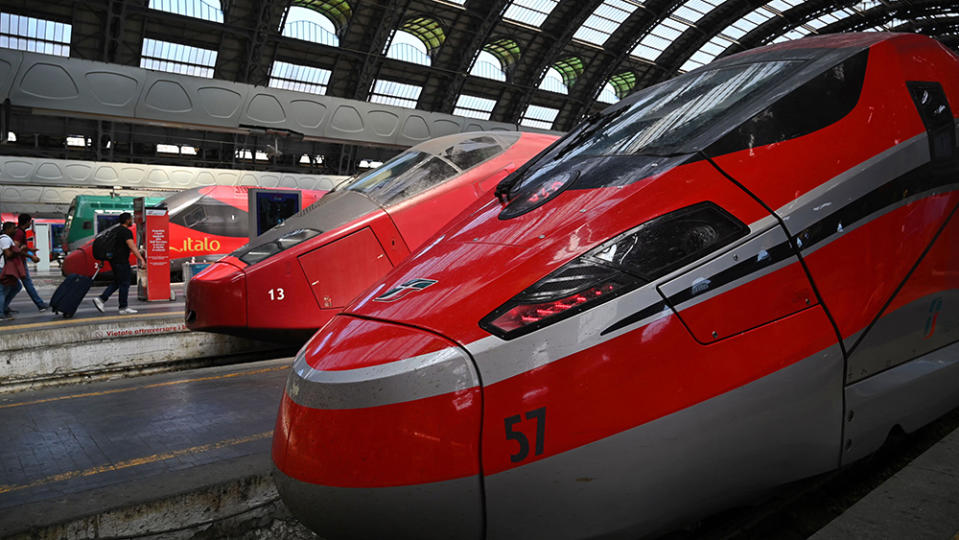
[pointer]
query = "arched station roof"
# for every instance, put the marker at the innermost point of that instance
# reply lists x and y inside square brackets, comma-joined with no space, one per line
[601,49]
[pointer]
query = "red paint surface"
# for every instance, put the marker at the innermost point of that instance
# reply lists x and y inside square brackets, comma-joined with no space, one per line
[858,272]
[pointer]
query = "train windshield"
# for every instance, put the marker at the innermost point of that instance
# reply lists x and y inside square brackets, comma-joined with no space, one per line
[669,116]
[402,177]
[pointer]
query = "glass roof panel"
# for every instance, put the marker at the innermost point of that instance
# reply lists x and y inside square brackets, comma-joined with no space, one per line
[208,10]
[427,30]
[299,78]
[570,69]
[177,58]
[474,107]
[506,50]
[605,20]
[623,83]
[729,35]
[310,25]
[663,34]
[34,35]
[531,12]
[539,117]
[394,93]
[337,11]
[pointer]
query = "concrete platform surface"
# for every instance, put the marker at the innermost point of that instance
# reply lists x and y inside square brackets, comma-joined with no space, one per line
[921,501]
[77,452]
[27,313]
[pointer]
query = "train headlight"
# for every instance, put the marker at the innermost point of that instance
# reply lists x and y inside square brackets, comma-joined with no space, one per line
[636,257]
[534,192]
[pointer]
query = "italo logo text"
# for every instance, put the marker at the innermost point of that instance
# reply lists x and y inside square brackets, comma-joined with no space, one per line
[200,244]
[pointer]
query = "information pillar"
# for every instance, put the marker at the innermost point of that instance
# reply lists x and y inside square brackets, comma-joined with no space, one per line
[154,237]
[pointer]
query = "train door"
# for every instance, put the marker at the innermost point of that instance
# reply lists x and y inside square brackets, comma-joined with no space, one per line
[883,255]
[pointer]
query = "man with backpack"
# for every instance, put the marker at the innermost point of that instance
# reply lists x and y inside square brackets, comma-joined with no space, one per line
[119,256]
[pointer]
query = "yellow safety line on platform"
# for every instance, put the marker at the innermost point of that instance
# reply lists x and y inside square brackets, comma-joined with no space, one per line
[136,462]
[108,318]
[144,387]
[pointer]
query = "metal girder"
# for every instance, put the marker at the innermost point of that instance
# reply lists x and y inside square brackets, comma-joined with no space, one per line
[557,31]
[696,36]
[113,29]
[389,19]
[777,26]
[884,13]
[619,46]
[265,27]
[488,15]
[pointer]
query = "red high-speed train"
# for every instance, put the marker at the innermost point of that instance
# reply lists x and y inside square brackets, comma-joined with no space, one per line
[738,278]
[291,280]
[205,224]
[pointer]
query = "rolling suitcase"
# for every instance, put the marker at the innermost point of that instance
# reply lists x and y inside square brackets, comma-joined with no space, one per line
[66,299]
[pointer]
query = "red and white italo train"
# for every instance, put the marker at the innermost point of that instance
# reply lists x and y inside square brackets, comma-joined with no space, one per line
[291,280]
[741,277]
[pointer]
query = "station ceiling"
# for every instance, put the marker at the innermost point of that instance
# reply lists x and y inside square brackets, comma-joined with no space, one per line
[538,63]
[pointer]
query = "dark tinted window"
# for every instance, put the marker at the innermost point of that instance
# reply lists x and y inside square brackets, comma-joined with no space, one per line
[933,107]
[472,152]
[210,216]
[822,101]
[665,119]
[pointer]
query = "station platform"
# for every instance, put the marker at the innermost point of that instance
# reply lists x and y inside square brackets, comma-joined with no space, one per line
[142,456]
[42,348]
[172,455]
[921,501]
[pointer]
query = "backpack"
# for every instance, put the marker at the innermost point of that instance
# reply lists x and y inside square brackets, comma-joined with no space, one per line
[105,243]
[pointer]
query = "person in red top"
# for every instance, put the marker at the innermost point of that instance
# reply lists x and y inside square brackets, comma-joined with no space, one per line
[24,221]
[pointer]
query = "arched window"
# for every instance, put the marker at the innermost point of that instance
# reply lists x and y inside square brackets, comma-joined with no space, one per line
[488,66]
[408,48]
[608,94]
[494,59]
[562,75]
[416,41]
[308,24]
[553,82]
[623,83]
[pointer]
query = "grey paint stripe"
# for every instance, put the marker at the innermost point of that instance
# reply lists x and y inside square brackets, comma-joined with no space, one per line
[427,375]
[764,241]
[878,214]
[854,183]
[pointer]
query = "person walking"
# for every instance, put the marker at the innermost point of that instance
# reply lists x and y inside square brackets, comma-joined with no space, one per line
[9,280]
[120,262]
[24,222]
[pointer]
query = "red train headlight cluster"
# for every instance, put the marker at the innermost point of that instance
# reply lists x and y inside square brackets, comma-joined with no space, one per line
[629,260]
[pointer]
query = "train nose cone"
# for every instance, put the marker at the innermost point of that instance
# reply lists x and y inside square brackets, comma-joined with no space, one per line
[378,434]
[215,299]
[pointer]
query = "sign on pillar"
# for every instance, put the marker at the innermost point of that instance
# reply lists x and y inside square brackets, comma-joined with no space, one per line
[42,242]
[154,237]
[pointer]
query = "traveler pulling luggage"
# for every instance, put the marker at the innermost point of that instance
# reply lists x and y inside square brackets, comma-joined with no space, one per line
[66,299]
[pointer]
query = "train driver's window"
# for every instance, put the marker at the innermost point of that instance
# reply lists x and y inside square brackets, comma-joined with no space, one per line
[472,152]
[194,217]
[433,172]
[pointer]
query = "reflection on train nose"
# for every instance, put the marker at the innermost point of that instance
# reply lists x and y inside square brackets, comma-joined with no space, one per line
[216,298]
